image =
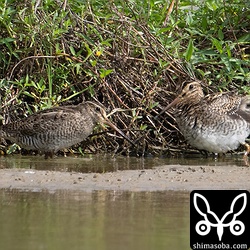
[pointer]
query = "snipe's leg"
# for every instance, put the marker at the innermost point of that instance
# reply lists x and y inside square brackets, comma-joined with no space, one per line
[48,154]
[245,157]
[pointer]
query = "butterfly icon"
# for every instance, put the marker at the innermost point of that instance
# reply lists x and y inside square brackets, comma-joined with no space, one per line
[203,227]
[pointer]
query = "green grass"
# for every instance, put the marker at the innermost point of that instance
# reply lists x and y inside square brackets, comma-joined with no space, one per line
[131,55]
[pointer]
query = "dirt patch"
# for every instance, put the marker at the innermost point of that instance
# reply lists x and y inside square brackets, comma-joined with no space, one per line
[170,177]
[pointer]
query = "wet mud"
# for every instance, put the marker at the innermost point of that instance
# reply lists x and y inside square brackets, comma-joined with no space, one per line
[166,177]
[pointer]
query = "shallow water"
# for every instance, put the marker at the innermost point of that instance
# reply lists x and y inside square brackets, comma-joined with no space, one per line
[107,163]
[96,220]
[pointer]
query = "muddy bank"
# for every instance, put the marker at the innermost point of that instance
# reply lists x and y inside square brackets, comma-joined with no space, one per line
[169,177]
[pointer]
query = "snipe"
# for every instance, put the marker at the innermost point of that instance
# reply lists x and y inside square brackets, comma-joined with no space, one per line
[56,128]
[216,123]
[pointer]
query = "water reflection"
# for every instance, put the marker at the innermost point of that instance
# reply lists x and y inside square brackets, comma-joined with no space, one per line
[107,163]
[97,220]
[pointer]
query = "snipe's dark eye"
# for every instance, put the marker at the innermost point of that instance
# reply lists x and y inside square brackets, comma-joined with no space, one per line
[98,109]
[191,86]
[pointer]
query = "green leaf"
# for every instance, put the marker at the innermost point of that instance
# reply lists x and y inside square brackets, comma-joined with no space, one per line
[143,126]
[93,63]
[220,34]
[218,45]
[212,5]
[105,72]
[6,40]
[190,49]
[189,19]
[227,63]
[245,38]
[72,50]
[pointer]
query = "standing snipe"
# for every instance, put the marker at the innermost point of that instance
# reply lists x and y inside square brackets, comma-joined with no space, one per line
[216,123]
[56,128]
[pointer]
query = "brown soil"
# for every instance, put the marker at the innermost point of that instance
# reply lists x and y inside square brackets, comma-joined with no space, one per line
[171,177]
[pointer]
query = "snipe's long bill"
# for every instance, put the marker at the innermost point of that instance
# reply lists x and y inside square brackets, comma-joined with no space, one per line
[57,128]
[216,123]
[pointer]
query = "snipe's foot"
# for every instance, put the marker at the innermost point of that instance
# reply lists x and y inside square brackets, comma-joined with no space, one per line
[48,155]
[245,157]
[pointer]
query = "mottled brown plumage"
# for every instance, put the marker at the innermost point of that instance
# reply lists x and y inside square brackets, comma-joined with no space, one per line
[216,123]
[56,128]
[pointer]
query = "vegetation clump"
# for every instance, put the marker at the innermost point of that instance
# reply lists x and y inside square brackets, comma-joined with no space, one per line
[131,56]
